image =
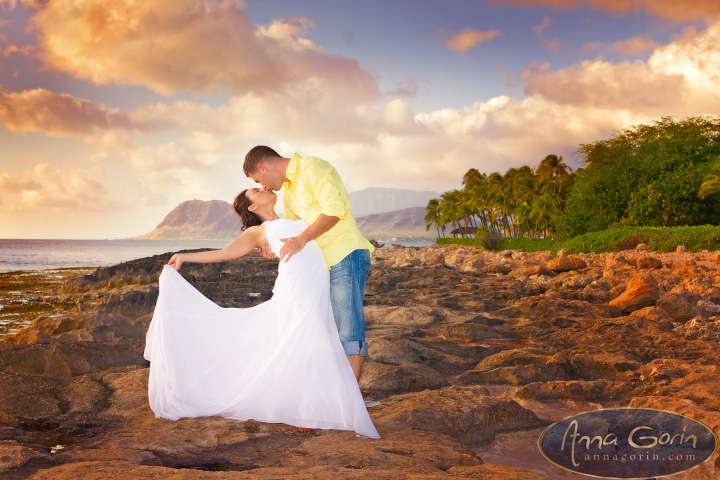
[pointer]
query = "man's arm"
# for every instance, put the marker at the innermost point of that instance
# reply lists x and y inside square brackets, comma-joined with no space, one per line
[294,244]
[323,180]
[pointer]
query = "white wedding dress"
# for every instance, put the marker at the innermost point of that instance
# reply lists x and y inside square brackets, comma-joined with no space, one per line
[280,361]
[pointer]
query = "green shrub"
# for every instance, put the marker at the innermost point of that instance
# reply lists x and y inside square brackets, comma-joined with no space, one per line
[489,239]
[649,174]
[468,242]
[658,239]
[629,243]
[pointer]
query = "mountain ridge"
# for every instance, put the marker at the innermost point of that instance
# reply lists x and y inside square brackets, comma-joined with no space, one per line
[216,220]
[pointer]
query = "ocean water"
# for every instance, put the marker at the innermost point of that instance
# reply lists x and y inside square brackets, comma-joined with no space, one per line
[18,255]
[50,254]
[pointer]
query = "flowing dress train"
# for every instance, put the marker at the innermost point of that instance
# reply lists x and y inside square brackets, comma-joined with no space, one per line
[279,362]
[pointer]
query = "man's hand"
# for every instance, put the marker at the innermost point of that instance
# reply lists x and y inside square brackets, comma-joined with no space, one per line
[266,251]
[292,246]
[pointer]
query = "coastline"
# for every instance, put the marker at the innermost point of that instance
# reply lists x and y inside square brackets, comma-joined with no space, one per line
[27,294]
[472,355]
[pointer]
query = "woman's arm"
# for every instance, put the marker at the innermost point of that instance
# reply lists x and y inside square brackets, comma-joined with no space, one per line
[251,238]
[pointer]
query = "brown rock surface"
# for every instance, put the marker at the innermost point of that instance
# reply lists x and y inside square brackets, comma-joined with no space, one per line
[567,263]
[677,307]
[642,291]
[466,363]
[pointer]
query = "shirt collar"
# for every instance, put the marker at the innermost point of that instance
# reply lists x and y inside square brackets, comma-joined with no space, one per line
[292,167]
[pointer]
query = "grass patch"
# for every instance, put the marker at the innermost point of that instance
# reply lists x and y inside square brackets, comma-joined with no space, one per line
[658,239]
[468,242]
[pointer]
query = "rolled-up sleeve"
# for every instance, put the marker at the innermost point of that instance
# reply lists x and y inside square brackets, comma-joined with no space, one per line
[322,179]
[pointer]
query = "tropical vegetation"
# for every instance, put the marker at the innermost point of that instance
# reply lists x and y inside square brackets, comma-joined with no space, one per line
[647,175]
[523,202]
[665,174]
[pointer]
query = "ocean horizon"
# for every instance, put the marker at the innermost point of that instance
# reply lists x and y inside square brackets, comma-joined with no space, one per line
[49,254]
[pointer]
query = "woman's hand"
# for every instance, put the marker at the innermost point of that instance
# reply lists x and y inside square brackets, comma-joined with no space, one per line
[175,261]
[266,251]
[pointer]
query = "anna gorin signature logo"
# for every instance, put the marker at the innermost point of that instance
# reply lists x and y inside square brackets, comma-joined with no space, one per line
[628,443]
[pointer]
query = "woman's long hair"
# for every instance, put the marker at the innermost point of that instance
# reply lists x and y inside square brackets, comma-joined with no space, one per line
[241,204]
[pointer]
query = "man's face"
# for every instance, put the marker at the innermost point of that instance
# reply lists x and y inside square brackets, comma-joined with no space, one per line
[265,177]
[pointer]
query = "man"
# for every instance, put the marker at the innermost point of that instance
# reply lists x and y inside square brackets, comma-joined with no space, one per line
[314,192]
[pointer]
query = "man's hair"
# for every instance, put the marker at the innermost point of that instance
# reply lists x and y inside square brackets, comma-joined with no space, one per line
[258,155]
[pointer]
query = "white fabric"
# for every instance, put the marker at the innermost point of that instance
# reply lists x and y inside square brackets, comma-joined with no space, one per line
[280,361]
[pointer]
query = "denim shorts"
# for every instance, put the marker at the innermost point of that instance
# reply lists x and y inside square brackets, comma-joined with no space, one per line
[347,288]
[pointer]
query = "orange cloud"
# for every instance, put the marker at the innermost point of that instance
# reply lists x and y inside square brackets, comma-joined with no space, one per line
[634,45]
[469,38]
[601,84]
[546,22]
[58,188]
[40,110]
[189,45]
[673,10]
[10,50]
[552,45]
[631,46]
[680,79]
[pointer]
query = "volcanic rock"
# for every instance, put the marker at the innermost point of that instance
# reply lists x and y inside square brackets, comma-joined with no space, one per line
[677,307]
[648,261]
[567,263]
[465,361]
[465,413]
[642,291]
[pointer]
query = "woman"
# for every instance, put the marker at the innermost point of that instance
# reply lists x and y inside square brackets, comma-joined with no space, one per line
[280,361]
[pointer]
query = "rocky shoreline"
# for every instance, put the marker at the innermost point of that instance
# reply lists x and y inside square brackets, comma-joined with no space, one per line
[472,355]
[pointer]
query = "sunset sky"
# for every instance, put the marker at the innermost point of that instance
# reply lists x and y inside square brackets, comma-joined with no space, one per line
[112,112]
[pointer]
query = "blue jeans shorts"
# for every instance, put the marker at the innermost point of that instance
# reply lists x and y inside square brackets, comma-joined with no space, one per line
[347,288]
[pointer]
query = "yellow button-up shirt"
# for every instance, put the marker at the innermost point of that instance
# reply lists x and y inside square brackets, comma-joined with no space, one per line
[315,187]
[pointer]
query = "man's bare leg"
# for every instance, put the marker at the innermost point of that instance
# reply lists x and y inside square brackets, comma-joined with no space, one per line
[356,362]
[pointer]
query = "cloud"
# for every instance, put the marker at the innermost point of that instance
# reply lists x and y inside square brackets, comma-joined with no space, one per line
[27,3]
[672,10]
[10,50]
[601,84]
[349,38]
[469,38]
[54,114]
[632,46]
[546,22]
[189,45]
[552,45]
[57,188]
[405,88]
[682,78]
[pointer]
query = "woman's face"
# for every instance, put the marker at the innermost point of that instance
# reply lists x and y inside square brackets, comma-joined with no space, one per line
[260,198]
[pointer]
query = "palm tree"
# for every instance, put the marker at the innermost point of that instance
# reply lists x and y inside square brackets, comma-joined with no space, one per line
[471,177]
[554,171]
[544,210]
[711,182]
[450,208]
[474,186]
[526,184]
[521,218]
[433,217]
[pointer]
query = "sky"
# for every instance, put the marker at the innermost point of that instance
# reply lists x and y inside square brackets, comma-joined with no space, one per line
[112,112]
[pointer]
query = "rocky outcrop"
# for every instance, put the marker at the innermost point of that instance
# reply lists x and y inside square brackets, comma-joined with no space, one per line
[642,291]
[471,354]
[199,219]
